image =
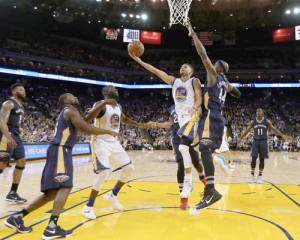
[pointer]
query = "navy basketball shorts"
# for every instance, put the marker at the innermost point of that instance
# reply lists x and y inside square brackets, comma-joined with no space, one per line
[189,129]
[15,153]
[210,130]
[260,148]
[58,161]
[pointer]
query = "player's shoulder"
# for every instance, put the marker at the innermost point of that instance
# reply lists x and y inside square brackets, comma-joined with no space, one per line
[9,103]
[98,102]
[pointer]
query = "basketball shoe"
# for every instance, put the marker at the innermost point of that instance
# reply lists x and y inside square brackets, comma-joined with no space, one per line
[113,200]
[17,224]
[210,196]
[184,203]
[14,197]
[56,232]
[187,188]
[259,180]
[88,212]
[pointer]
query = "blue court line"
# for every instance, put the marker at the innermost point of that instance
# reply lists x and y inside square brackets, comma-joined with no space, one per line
[298,205]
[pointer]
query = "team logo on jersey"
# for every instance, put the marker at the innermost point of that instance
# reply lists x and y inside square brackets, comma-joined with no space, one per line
[20,111]
[115,121]
[180,94]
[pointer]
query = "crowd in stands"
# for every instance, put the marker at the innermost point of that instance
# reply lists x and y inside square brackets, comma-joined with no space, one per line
[151,105]
[72,51]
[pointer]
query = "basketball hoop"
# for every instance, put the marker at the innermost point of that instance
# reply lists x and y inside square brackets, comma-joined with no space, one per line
[179,10]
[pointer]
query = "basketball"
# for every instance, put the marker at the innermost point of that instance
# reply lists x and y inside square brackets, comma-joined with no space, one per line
[136,48]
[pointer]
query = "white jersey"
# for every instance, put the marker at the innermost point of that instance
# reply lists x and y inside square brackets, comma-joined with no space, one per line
[184,98]
[109,121]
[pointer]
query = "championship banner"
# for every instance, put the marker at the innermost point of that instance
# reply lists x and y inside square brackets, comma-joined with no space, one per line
[151,37]
[284,35]
[39,151]
[297,33]
[130,35]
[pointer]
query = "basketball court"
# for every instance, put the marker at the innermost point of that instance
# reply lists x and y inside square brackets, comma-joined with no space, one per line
[151,202]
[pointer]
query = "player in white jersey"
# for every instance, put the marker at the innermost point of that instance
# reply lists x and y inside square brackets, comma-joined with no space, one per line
[108,153]
[187,95]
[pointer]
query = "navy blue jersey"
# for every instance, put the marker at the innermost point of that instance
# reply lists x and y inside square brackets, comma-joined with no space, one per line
[214,97]
[260,129]
[15,117]
[174,117]
[65,133]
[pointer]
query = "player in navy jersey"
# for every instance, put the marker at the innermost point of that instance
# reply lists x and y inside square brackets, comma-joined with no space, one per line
[212,122]
[57,177]
[10,142]
[173,124]
[260,148]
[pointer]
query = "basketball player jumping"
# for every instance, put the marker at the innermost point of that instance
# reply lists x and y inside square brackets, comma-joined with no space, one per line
[260,147]
[10,120]
[212,122]
[187,96]
[173,123]
[58,163]
[109,153]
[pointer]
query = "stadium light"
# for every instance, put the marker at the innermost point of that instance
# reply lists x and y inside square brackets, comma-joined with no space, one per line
[131,15]
[144,16]
[296,10]
[288,11]
[124,15]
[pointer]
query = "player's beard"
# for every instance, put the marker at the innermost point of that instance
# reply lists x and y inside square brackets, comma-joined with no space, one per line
[20,96]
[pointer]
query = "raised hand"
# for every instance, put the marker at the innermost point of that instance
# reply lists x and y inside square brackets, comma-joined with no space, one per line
[191,30]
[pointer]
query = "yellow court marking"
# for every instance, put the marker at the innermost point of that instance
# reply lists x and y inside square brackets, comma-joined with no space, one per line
[151,212]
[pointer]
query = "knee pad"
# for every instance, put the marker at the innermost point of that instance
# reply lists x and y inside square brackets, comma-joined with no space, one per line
[185,152]
[127,172]
[19,168]
[100,179]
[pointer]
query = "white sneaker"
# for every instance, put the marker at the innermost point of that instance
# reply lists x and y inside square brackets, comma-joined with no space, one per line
[259,181]
[251,179]
[111,198]
[187,189]
[89,212]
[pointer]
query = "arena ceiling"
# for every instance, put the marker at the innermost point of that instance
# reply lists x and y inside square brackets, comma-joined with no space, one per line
[205,14]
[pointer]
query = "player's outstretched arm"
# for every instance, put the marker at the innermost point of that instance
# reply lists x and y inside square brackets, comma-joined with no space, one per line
[275,130]
[4,116]
[250,126]
[97,108]
[73,115]
[233,91]
[211,72]
[129,121]
[161,74]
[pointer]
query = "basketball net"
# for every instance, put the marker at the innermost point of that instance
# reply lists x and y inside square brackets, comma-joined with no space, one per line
[179,10]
